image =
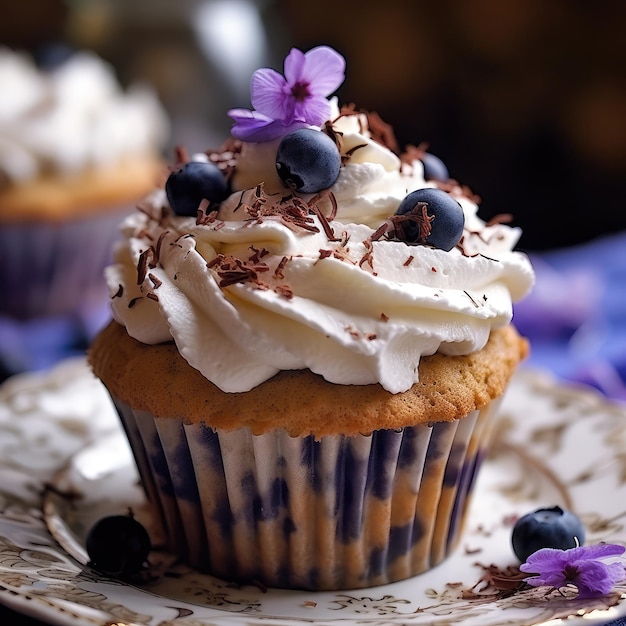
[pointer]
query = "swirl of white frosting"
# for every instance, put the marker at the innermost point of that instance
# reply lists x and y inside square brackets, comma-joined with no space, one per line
[72,118]
[268,283]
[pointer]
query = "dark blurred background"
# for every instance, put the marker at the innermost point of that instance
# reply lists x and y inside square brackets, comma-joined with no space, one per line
[525,100]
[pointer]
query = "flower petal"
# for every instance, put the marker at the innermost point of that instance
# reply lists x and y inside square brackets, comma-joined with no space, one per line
[248,124]
[268,91]
[594,578]
[577,566]
[255,127]
[550,579]
[324,70]
[552,558]
[294,66]
[597,551]
[315,111]
[546,559]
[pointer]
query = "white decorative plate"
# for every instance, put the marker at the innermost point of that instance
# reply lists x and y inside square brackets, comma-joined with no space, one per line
[64,463]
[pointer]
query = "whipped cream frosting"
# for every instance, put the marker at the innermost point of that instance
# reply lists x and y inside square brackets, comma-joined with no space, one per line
[276,281]
[72,118]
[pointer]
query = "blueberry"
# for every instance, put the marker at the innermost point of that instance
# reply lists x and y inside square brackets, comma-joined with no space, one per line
[118,545]
[308,160]
[546,528]
[445,219]
[192,183]
[434,168]
[52,55]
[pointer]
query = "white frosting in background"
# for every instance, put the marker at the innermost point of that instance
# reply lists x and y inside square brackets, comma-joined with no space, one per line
[72,118]
[355,311]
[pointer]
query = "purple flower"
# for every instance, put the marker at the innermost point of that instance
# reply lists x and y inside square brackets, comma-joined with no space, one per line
[580,567]
[299,99]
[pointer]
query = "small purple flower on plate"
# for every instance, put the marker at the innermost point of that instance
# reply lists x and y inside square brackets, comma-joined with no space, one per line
[297,100]
[581,567]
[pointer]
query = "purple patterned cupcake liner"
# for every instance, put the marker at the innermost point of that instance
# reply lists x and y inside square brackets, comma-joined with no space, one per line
[294,512]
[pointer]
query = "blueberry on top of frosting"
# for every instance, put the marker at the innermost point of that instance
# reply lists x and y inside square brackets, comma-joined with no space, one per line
[308,160]
[193,182]
[429,216]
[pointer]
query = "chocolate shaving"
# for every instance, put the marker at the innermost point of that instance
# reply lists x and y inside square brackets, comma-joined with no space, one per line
[384,318]
[153,213]
[285,291]
[335,135]
[278,272]
[408,261]
[353,332]
[240,203]
[155,281]
[152,296]
[157,250]
[324,222]
[380,131]
[134,301]
[346,157]
[498,581]
[181,155]
[232,270]
[205,214]
[291,210]
[257,254]
[489,258]
[472,299]
[225,157]
[417,216]
[368,257]
[455,188]
[413,153]
[379,232]
[333,204]
[500,218]
[324,254]
[119,293]
[146,260]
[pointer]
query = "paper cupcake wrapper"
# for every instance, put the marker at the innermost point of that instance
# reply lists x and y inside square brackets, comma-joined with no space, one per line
[50,269]
[338,513]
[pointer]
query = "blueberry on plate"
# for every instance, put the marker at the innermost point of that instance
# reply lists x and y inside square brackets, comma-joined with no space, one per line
[308,160]
[432,216]
[434,168]
[118,545]
[546,528]
[192,183]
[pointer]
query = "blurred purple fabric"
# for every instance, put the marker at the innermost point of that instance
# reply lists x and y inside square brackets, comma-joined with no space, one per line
[39,343]
[575,317]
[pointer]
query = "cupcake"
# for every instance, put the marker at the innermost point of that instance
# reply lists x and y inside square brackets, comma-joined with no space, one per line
[310,341]
[76,154]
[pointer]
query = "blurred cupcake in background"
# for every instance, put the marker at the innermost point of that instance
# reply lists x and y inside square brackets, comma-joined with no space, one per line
[77,151]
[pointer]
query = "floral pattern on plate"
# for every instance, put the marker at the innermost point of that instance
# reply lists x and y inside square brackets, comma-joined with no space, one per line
[64,463]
